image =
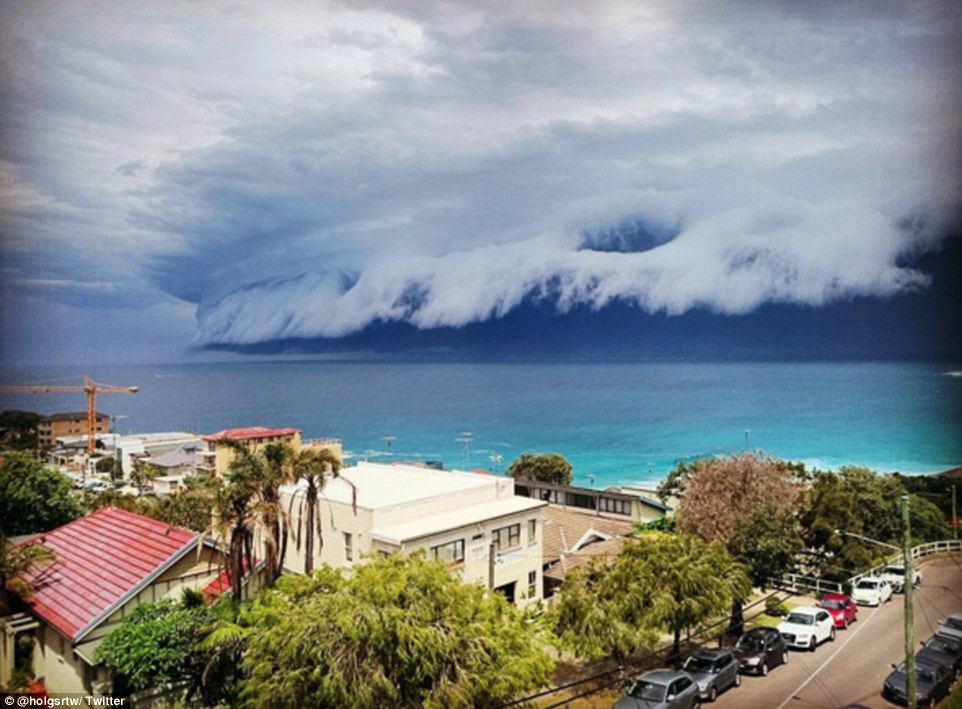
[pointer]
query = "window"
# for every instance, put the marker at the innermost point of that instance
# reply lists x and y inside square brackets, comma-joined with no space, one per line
[348,546]
[620,507]
[506,537]
[476,537]
[450,553]
[532,531]
[532,584]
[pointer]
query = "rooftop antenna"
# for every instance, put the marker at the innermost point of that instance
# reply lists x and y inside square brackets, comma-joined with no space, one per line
[465,440]
[389,440]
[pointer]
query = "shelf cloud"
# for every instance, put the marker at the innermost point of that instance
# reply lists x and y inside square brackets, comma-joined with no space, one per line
[307,170]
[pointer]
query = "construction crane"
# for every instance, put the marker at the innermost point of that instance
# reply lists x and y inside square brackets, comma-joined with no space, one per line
[90,387]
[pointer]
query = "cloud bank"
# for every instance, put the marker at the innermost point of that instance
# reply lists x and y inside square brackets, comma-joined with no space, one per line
[307,170]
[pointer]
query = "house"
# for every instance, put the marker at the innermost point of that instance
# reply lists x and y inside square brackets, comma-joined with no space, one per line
[175,466]
[54,426]
[616,503]
[475,523]
[218,457]
[573,539]
[108,563]
[147,447]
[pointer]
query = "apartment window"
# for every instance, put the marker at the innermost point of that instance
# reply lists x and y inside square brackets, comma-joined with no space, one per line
[532,584]
[477,537]
[348,546]
[506,537]
[532,531]
[621,507]
[450,553]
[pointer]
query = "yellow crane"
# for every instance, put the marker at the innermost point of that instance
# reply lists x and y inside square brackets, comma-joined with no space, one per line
[90,387]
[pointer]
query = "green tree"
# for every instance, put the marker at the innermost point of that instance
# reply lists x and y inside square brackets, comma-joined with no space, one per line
[399,632]
[21,567]
[155,645]
[278,470]
[542,467]
[33,498]
[144,473]
[236,517]
[110,466]
[20,429]
[749,503]
[313,467]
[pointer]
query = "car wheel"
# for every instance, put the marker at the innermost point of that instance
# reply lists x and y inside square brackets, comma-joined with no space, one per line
[696,703]
[845,624]
[738,680]
[784,657]
[811,645]
[831,635]
[763,671]
[713,693]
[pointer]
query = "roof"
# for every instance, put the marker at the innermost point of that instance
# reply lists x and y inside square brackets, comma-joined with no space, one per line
[564,528]
[251,433]
[462,517]
[951,473]
[102,560]
[73,416]
[176,458]
[606,550]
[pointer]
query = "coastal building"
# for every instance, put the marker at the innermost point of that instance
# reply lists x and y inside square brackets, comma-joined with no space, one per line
[108,563]
[146,447]
[218,457]
[573,539]
[475,523]
[617,503]
[54,426]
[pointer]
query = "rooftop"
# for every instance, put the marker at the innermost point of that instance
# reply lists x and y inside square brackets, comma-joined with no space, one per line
[102,559]
[73,416]
[462,517]
[564,529]
[250,433]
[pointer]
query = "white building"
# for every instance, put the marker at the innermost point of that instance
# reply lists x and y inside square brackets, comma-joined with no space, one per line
[132,446]
[473,521]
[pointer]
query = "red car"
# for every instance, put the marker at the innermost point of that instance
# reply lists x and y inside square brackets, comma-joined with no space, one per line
[842,609]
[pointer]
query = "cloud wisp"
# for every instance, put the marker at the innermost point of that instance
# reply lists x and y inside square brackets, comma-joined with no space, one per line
[311,170]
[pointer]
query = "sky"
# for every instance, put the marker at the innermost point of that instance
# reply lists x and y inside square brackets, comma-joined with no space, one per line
[178,178]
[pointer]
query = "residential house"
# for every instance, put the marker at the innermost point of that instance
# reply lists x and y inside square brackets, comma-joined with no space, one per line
[108,563]
[615,503]
[475,523]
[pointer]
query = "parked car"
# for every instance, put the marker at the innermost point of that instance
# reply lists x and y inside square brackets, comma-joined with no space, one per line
[932,684]
[841,607]
[895,575]
[759,650]
[951,626]
[943,649]
[714,671]
[872,591]
[661,689]
[805,628]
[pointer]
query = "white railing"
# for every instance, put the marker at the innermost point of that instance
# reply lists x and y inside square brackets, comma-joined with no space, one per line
[799,582]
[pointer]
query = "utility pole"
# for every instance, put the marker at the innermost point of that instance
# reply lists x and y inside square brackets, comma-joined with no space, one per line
[907,588]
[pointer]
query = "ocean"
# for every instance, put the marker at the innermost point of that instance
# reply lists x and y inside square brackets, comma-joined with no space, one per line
[617,423]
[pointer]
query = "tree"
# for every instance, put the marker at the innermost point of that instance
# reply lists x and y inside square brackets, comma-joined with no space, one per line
[110,466]
[235,520]
[658,582]
[155,645]
[748,503]
[144,473]
[399,632]
[274,522]
[311,466]
[542,467]
[21,567]
[33,498]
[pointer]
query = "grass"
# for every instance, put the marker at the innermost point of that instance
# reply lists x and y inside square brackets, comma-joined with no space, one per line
[954,701]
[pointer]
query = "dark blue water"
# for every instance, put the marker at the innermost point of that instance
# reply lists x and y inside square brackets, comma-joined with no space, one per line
[614,422]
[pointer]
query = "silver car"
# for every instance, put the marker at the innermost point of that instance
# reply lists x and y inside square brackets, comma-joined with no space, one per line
[661,689]
[714,671]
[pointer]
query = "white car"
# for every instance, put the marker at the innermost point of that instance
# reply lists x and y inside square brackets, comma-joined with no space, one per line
[807,627]
[872,591]
[895,575]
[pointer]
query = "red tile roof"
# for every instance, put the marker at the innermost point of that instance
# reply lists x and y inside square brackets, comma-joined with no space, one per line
[101,560]
[251,432]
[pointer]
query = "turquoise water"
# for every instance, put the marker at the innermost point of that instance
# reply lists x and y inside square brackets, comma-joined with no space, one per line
[616,423]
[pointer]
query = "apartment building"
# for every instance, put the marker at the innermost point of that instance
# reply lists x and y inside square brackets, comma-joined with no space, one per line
[218,457]
[54,426]
[475,523]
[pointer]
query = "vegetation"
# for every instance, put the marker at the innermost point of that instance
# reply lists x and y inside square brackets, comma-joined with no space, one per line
[660,582]
[749,503]
[542,467]
[19,567]
[33,498]
[110,466]
[191,507]
[20,430]
[401,632]
[311,466]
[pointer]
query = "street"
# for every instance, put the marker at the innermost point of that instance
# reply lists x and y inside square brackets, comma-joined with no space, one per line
[853,668]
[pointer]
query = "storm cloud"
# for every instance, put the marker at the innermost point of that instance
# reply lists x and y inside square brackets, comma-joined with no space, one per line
[306,170]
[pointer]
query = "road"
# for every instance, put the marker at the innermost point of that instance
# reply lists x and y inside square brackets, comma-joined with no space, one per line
[852,669]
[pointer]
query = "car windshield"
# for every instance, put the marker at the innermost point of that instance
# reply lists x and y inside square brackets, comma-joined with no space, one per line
[955,623]
[800,619]
[895,570]
[870,585]
[944,643]
[833,605]
[921,672]
[698,664]
[647,690]
[752,643]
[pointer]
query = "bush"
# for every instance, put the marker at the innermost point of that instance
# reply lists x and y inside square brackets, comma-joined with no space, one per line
[776,607]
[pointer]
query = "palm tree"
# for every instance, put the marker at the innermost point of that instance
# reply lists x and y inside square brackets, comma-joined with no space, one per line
[312,466]
[18,567]
[273,520]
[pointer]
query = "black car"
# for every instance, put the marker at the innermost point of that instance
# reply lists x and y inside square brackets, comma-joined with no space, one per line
[942,650]
[932,684]
[759,650]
